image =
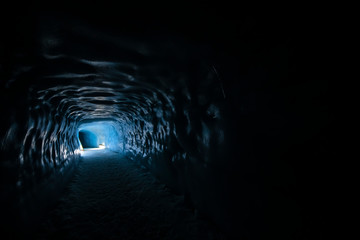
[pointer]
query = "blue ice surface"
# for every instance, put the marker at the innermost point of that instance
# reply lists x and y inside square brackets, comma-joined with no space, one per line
[101,134]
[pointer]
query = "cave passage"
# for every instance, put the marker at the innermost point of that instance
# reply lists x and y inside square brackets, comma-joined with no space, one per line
[99,134]
[112,198]
[160,124]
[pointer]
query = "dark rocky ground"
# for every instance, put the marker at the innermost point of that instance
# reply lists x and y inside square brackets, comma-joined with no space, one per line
[112,198]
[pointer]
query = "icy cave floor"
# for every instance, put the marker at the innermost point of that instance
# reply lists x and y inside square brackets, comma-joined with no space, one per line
[112,198]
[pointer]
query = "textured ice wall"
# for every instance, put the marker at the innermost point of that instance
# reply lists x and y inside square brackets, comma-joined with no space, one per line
[242,142]
[161,96]
[39,152]
[88,139]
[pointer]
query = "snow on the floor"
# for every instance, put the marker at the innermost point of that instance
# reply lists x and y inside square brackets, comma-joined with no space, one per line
[112,198]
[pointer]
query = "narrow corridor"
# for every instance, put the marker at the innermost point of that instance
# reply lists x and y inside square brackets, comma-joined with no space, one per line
[210,117]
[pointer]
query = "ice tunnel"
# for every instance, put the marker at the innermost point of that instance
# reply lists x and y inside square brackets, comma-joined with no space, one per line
[206,104]
[100,134]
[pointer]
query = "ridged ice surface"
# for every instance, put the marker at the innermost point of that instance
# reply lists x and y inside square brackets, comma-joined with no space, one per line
[161,96]
[217,107]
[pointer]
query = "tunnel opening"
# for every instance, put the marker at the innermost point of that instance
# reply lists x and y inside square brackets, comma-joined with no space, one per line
[97,134]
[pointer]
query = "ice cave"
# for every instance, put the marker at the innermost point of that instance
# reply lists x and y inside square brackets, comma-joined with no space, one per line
[174,123]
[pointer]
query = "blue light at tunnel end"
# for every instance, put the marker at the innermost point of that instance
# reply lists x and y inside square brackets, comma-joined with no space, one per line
[101,134]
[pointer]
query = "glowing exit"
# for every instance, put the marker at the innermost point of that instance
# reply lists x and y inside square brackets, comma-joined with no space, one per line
[98,135]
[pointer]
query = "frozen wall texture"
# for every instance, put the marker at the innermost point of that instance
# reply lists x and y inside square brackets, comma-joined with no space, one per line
[218,121]
[88,139]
